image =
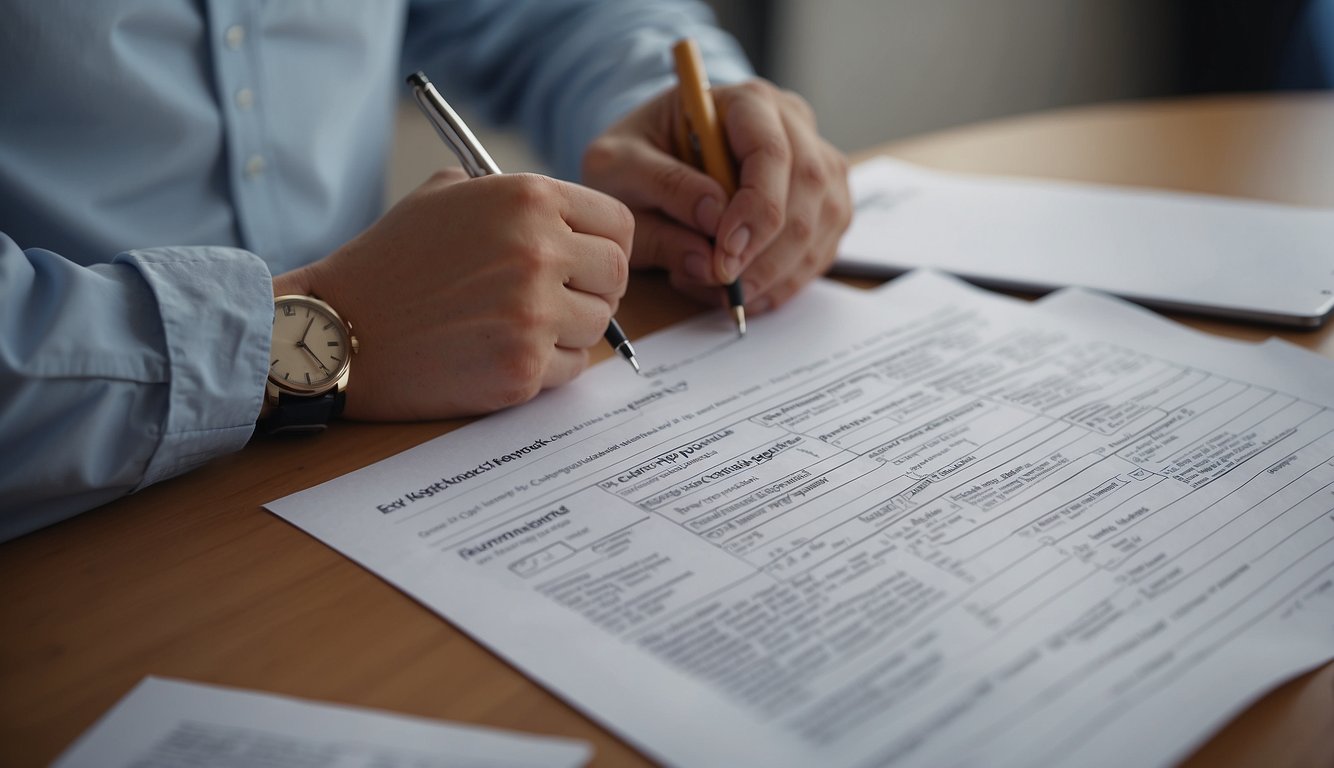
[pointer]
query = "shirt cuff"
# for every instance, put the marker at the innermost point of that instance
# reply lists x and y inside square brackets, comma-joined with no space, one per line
[216,309]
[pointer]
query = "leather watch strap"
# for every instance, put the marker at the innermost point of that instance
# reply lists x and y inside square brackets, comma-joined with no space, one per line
[303,415]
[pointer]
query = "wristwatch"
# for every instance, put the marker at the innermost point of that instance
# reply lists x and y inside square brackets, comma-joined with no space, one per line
[311,359]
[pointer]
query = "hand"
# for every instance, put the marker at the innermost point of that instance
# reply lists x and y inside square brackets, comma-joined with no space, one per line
[779,232]
[473,295]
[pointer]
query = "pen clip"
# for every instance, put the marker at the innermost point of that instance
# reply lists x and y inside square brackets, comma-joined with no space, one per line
[472,155]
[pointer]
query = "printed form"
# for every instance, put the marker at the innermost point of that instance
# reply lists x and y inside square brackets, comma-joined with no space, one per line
[922,526]
[166,723]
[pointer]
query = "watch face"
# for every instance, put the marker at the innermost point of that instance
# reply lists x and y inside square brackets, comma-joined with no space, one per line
[310,345]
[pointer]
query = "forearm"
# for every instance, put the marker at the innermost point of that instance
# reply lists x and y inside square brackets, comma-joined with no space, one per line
[563,70]
[116,376]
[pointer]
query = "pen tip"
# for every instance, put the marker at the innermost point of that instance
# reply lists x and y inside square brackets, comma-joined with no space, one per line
[739,313]
[627,351]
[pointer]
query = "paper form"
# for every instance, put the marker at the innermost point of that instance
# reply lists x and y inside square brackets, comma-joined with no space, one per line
[172,723]
[1219,256]
[926,526]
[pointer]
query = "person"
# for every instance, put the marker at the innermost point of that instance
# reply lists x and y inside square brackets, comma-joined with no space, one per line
[168,168]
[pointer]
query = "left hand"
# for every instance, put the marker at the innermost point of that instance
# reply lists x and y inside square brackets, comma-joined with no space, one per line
[779,231]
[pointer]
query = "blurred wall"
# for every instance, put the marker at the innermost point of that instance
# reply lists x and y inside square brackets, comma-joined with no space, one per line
[418,151]
[876,70]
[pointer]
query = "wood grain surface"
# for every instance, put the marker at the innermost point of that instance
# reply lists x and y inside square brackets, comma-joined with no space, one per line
[192,578]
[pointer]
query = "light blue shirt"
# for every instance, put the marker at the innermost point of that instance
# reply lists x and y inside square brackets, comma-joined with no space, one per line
[159,159]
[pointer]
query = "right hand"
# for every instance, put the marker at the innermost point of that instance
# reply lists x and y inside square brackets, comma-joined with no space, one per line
[473,295]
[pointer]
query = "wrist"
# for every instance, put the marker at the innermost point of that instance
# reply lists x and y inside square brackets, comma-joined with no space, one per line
[296,282]
[310,352]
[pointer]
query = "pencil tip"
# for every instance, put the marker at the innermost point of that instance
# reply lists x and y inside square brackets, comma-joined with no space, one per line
[740,313]
[635,363]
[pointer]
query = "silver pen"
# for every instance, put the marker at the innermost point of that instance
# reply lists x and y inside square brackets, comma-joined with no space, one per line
[477,162]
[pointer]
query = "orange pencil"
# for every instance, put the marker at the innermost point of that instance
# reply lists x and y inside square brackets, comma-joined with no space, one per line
[700,141]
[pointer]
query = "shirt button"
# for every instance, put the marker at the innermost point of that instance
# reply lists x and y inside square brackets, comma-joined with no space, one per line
[235,36]
[245,98]
[254,166]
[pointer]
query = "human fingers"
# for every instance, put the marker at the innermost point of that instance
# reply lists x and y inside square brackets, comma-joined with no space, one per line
[563,366]
[594,265]
[759,142]
[662,243]
[803,266]
[592,212]
[644,177]
[501,362]
[819,208]
[706,294]
[581,320]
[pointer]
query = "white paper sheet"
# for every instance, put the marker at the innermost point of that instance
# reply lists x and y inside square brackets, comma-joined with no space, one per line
[169,723]
[1220,256]
[926,526]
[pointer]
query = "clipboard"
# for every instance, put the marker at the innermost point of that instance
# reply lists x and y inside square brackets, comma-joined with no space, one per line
[1224,257]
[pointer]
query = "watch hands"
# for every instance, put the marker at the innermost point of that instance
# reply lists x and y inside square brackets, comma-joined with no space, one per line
[303,345]
[314,356]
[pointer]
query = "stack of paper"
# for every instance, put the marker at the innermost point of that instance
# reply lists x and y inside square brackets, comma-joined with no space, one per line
[1212,255]
[170,723]
[923,526]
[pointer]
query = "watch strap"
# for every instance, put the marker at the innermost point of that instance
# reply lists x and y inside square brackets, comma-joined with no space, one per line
[294,415]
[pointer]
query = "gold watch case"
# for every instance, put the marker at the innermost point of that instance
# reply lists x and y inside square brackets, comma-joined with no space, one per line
[311,349]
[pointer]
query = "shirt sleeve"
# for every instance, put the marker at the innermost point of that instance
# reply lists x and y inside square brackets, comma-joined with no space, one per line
[561,70]
[116,376]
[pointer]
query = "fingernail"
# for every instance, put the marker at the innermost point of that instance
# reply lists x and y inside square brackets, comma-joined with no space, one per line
[697,266]
[731,268]
[707,213]
[737,241]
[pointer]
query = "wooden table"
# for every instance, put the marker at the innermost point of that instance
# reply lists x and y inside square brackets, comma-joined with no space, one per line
[191,578]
